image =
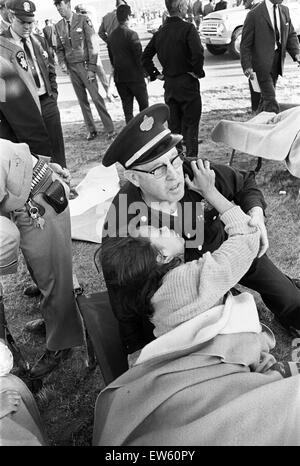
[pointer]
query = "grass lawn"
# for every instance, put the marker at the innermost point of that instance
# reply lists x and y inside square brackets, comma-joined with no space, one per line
[68,395]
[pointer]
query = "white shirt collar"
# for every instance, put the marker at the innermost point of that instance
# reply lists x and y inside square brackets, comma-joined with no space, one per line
[269,6]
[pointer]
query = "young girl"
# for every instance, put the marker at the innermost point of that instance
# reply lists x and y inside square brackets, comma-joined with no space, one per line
[148,266]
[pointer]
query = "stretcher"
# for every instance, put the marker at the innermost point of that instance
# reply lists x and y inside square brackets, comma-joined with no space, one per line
[266,136]
[103,342]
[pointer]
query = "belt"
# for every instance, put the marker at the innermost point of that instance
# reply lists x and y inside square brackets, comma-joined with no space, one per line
[41,178]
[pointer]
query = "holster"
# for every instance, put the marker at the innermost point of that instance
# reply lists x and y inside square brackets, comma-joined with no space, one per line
[55,196]
[53,191]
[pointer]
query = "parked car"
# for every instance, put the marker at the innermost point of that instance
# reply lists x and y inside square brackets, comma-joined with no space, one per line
[222,30]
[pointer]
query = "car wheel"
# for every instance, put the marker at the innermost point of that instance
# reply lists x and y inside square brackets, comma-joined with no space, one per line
[235,44]
[216,49]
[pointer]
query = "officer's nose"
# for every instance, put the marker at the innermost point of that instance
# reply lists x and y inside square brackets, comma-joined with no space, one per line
[172,173]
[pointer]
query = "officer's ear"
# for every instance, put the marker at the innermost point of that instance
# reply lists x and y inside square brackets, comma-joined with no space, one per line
[11,16]
[133,177]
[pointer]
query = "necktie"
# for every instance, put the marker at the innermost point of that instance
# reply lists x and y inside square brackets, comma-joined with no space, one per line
[69,32]
[31,62]
[276,27]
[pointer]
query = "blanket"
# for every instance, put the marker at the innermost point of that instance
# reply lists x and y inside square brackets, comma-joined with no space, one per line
[89,209]
[206,392]
[267,135]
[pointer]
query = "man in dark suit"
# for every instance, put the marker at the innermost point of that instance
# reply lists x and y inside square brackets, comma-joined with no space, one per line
[267,34]
[181,54]
[49,34]
[38,62]
[221,5]
[125,52]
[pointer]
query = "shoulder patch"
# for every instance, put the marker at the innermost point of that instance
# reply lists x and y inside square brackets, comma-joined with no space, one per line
[21,59]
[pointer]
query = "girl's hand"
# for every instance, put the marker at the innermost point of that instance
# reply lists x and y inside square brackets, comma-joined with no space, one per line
[204,178]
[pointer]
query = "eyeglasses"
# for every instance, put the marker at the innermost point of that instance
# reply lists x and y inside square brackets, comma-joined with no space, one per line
[162,170]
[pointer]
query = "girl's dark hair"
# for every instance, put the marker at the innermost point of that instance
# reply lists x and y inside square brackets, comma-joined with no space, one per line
[130,266]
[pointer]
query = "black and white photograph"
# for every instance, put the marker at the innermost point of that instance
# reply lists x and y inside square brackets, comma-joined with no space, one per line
[149,226]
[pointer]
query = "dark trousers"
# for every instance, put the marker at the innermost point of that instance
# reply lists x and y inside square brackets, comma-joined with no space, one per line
[268,102]
[278,291]
[51,117]
[255,98]
[130,90]
[182,95]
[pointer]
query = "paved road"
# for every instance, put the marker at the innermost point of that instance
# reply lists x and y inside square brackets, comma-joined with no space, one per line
[220,71]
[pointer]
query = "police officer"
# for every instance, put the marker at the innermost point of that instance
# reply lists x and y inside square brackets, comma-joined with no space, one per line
[77,54]
[100,72]
[34,197]
[38,63]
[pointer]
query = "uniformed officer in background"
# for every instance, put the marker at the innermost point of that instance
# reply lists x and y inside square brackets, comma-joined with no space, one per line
[100,72]
[77,54]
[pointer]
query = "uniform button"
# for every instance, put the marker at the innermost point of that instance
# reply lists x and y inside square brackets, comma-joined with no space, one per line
[188,235]
[199,247]
[214,218]
[144,218]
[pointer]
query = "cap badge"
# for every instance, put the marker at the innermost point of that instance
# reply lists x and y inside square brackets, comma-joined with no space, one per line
[147,123]
[21,59]
[26,7]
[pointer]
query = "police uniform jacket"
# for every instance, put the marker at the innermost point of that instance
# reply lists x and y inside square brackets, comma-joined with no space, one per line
[20,112]
[258,40]
[235,185]
[44,58]
[82,48]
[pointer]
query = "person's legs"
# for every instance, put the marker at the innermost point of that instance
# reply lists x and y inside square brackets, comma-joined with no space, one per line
[92,87]
[175,120]
[139,90]
[255,98]
[127,100]
[268,102]
[82,97]
[191,119]
[191,106]
[102,75]
[48,256]
[278,292]
[52,121]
